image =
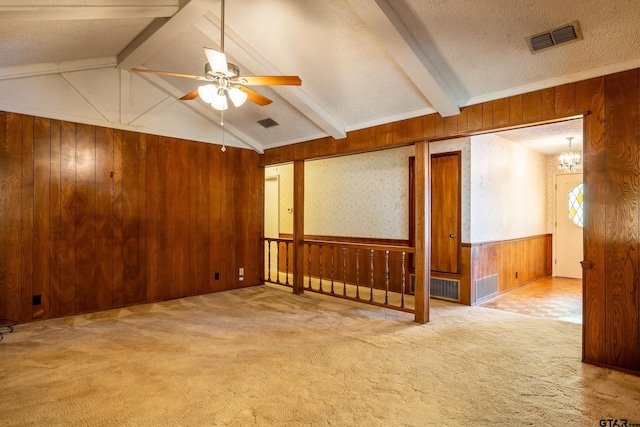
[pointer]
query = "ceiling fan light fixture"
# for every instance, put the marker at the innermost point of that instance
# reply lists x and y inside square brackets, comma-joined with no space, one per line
[219,102]
[237,96]
[207,92]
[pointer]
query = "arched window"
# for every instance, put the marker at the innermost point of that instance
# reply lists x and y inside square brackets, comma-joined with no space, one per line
[576,213]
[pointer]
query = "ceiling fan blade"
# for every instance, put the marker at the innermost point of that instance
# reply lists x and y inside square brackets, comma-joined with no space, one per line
[167,73]
[217,60]
[191,95]
[272,81]
[256,97]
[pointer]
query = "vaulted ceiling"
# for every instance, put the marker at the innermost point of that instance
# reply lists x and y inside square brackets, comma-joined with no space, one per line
[362,62]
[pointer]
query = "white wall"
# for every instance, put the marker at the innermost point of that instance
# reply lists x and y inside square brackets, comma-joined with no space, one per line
[508,190]
[285,172]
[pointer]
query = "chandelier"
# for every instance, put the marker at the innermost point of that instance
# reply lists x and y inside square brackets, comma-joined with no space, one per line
[569,161]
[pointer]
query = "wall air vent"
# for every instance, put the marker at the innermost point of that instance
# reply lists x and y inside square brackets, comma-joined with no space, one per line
[268,123]
[486,286]
[564,34]
[448,289]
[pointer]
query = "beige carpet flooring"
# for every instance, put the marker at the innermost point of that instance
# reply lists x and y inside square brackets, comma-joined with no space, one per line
[262,356]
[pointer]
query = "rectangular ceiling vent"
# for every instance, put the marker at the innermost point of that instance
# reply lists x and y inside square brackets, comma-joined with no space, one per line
[564,34]
[268,123]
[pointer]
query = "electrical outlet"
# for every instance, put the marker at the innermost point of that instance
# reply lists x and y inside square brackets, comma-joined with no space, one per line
[217,276]
[241,271]
[37,299]
[516,274]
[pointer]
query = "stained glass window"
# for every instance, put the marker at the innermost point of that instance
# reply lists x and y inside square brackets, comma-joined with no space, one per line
[576,213]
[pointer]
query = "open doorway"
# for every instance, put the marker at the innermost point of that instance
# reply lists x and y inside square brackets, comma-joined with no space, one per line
[558,296]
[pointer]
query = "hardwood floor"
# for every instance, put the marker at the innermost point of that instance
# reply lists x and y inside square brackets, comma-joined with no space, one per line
[552,297]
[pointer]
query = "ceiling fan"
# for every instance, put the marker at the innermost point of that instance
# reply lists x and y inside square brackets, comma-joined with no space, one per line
[224,80]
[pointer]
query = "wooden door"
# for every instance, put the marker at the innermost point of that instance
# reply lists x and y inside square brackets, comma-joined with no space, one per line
[445,212]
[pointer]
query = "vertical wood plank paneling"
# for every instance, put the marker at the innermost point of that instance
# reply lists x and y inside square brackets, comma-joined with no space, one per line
[451,125]
[55,221]
[198,220]
[622,130]
[414,129]
[463,120]
[565,99]
[67,218]
[141,279]
[501,112]
[181,200]
[80,236]
[10,215]
[104,219]
[215,184]
[85,234]
[515,109]
[475,117]
[155,213]
[487,115]
[171,214]
[118,239]
[399,132]
[439,123]
[27,217]
[590,97]
[532,106]
[254,217]
[548,102]
[130,218]
[229,218]
[41,219]
[429,126]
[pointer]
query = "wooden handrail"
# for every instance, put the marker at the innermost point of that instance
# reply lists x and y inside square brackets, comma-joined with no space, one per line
[390,248]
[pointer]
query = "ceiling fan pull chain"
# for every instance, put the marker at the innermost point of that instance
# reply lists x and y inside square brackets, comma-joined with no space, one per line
[224,148]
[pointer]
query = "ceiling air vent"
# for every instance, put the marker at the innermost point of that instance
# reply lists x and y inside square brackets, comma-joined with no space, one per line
[268,123]
[563,34]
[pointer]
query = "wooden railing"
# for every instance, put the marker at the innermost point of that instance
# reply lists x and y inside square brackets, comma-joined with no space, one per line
[372,274]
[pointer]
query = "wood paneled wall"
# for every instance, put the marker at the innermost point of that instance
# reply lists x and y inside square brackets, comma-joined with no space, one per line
[528,258]
[535,107]
[611,321]
[93,218]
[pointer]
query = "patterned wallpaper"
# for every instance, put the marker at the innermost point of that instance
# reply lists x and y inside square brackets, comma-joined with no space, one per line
[464,146]
[509,193]
[362,195]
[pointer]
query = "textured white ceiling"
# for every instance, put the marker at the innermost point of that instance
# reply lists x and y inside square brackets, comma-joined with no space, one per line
[550,138]
[362,62]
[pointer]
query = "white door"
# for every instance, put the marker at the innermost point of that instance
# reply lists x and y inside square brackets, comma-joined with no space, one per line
[568,230]
[271,221]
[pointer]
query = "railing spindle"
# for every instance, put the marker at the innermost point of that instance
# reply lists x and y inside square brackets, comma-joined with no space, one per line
[320,268]
[386,280]
[309,287]
[344,272]
[404,273]
[269,261]
[278,263]
[358,273]
[332,270]
[371,294]
[286,269]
